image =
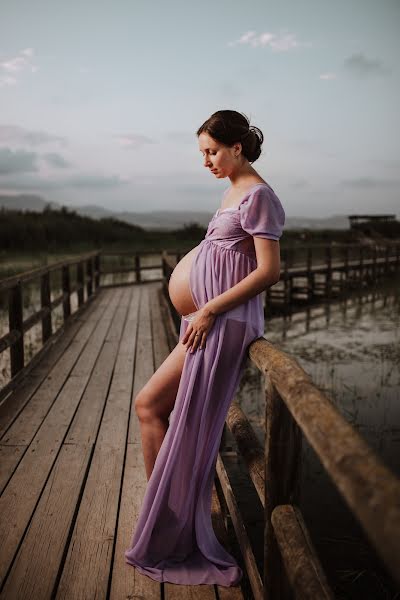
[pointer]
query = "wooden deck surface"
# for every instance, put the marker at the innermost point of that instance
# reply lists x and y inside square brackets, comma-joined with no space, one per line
[72,476]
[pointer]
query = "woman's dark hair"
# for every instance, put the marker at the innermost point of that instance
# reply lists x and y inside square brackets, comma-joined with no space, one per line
[229,127]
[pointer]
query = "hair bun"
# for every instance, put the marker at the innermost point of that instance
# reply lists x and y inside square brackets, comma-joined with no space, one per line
[230,126]
[257,132]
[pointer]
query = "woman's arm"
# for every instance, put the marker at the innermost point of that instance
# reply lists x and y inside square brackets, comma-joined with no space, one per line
[266,274]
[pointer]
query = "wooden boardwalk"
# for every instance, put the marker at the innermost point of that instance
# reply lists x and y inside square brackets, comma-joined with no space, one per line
[72,475]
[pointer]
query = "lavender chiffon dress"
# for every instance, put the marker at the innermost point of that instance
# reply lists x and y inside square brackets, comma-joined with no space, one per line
[174,539]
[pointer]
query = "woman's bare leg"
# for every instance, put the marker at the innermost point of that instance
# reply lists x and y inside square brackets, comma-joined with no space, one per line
[155,402]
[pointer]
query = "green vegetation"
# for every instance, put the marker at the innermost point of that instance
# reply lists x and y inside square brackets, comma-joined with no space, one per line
[62,230]
[30,239]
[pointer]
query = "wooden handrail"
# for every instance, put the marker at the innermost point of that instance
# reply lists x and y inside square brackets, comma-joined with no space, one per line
[18,326]
[9,282]
[370,489]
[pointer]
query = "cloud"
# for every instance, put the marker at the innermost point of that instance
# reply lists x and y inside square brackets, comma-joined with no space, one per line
[56,160]
[20,135]
[10,68]
[179,136]
[299,183]
[311,146]
[327,76]
[360,66]
[370,183]
[282,42]
[231,89]
[95,181]
[80,181]
[18,161]
[386,163]
[133,140]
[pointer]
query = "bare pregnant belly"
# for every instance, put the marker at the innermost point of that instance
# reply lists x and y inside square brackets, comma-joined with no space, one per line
[178,288]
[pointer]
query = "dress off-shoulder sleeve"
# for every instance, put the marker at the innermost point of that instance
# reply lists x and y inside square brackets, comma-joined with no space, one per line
[262,214]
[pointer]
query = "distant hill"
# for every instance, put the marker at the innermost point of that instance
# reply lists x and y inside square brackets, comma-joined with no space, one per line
[161,220]
[25,202]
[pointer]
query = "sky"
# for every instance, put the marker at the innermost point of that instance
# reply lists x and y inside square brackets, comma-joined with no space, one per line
[100,101]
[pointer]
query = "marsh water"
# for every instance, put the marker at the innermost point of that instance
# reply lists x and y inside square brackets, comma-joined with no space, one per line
[351,350]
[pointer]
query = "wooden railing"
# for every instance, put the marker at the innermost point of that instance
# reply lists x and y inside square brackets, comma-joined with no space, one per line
[136,266]
[325,271]
[87,277]
[294,406]
[371,262]
[312,273]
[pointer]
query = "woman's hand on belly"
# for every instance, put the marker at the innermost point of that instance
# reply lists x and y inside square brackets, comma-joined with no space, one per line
[198,329]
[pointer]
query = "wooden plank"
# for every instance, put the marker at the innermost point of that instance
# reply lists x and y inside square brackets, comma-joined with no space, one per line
[25,426]
[95,366]
[240,529]
[47,536]
[281,478]
[174,591]
[86,570]
[249,447]
[302,564]
[34,571]
[126,581]
[35,376]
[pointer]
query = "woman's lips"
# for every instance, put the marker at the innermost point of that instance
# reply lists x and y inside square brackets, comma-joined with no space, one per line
[214,170]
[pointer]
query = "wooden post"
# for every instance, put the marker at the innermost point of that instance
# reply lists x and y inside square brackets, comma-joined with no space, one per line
[291,263]
[346,265]
[328,277]
[310,279]
[15,321]
[137,268]
[387,251]
[97,270]
[342,270]
[89,272]
[66,288]
[367,266]
[80,283]
[361,258]
[286,282]
[45,302]
[283,441]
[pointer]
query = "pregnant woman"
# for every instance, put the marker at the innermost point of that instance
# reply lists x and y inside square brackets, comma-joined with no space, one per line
[216,288]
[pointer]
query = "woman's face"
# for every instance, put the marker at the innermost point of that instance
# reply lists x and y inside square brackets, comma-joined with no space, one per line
[219,159]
